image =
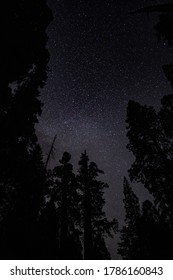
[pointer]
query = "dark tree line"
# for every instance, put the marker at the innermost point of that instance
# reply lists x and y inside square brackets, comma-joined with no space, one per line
[75,207]
[57,214]
[23,66]
[148,229]
[44,214]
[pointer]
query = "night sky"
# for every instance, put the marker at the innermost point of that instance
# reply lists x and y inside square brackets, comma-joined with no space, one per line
[100,58]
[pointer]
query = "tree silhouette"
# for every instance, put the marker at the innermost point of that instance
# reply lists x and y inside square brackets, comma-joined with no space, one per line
[146,234]
[49,231]
[154,234]
[150,135]
[95,225]
[65,198]
[150,140]
[24,61]
[129,247]
[153,144]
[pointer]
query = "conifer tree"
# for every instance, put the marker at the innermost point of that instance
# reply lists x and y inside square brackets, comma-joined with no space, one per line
[65,197]
[96,226]
[129,247]
[150,140]
[24,59]
[49,230]
[150,135]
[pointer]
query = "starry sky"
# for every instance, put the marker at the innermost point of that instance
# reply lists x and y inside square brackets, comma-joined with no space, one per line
[100,58]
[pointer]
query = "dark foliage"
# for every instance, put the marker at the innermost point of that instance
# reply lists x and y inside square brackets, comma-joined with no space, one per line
[95,225]
[150,140]
[145,234]
[129,246]
[66,200]
[148,233]
[24,59]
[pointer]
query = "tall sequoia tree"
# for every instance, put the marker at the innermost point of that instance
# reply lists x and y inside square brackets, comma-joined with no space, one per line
[95,225]
[150,140]
[150,136]
[64,203]
[143,229]
[129,247]
[157,132]
[24,59]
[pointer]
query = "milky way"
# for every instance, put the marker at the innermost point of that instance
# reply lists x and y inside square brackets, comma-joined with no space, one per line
[100,58]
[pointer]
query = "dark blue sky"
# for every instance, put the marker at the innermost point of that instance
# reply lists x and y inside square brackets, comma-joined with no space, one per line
[100,58]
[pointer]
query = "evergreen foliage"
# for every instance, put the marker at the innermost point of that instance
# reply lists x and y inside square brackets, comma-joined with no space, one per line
[95,225]
[150,135]
[24,59]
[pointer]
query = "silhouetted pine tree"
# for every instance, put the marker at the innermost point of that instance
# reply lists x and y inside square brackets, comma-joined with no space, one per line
[153,150]
[153,233]
[151,141]
[129,247]
[65,197]
[49,230]
[144,230]
[95,225]
[24,61]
